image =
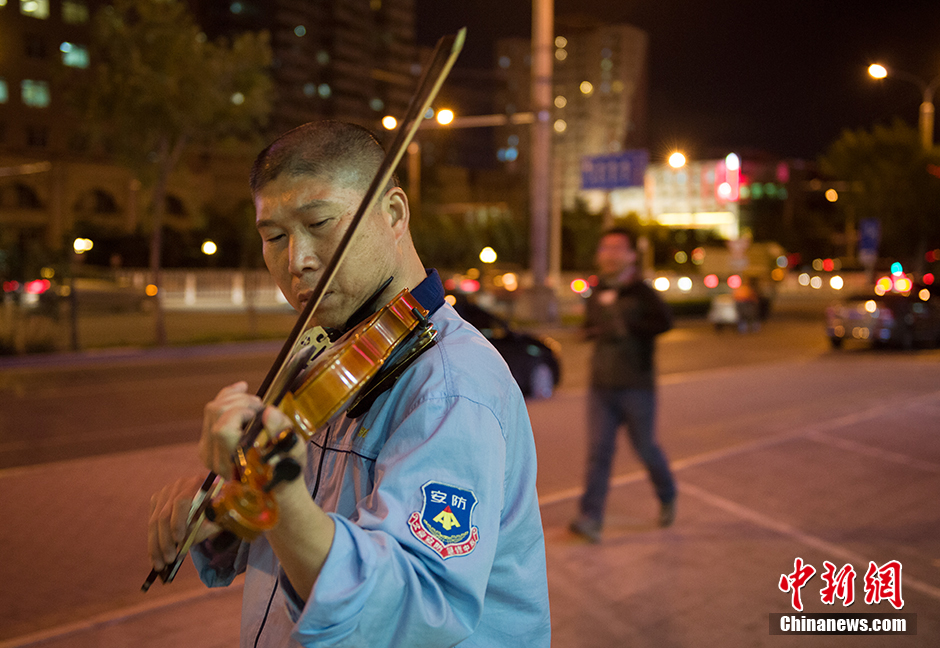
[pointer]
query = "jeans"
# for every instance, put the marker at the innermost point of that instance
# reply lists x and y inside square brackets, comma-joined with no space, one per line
[636,409]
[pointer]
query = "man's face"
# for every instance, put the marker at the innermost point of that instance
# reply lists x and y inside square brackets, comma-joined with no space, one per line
[301,221]
[615,254]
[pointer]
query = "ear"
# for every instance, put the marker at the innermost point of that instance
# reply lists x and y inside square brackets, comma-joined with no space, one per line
[395,206]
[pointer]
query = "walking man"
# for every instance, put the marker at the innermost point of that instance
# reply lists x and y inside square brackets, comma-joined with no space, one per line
[624,316]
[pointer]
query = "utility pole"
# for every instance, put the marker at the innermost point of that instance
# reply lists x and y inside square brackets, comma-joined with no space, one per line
[544,307]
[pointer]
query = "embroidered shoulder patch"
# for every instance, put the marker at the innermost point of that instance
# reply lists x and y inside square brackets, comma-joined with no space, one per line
[444,521]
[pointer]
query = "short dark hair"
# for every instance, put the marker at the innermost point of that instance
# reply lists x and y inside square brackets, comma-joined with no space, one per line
[321,148]
[620,231]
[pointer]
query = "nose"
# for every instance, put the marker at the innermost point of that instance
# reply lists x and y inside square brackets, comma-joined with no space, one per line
[302,256]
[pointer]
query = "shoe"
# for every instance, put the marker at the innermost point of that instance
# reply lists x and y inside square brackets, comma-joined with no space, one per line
[667,514]
[587,528]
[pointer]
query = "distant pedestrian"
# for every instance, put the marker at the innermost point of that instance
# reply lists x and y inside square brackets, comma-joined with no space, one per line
[624,316]
[747,304]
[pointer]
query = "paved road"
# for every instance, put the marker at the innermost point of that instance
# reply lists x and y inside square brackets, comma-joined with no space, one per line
[56,408]
[822,456]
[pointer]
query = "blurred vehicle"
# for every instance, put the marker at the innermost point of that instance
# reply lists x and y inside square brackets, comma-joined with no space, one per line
[723,311]
[903,320]
[752,298]
[103,295]
[535,362]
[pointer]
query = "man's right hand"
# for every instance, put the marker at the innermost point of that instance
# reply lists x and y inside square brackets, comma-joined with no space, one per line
[169,510]
[224,419]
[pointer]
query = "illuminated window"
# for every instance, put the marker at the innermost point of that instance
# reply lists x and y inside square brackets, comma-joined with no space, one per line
[4,93]
[35,8]
[324,91]
[74,12]
[586,87]
[561,54]
[35,93]
[560,102]
[74,55]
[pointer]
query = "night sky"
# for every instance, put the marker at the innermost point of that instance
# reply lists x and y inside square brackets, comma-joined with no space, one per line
[743,75]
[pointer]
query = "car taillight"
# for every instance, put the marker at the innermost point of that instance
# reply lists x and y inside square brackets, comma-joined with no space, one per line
[38,286]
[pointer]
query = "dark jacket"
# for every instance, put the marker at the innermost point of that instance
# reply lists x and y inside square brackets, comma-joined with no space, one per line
[624,333]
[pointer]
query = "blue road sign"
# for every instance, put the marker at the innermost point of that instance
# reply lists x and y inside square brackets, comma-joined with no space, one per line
[869,234]
[614,170]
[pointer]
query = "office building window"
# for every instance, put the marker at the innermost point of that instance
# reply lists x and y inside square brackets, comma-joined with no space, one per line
[35,93]
[37,136]
[35,46]
[74,55]
[74,12]
[35,8]
[26,197]
[78,142]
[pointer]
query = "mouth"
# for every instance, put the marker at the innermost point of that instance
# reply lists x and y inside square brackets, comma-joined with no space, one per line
[304,297]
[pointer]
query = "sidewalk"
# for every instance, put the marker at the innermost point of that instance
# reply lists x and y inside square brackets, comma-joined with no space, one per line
[710,581]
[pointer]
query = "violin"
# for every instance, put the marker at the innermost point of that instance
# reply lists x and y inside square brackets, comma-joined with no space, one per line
[314,380]
[363,361]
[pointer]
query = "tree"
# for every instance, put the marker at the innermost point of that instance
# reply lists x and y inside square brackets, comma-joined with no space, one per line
[158,87]
[889,173]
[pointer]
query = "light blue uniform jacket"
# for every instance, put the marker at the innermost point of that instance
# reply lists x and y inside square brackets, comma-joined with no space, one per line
[456,419]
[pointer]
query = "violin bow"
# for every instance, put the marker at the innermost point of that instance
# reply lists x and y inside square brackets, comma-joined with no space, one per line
[442,60]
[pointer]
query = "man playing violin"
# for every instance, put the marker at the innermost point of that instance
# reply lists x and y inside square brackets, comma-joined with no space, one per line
[416,523]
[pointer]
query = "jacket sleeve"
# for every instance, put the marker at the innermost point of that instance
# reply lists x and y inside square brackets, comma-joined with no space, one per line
[381,583]
[219,560]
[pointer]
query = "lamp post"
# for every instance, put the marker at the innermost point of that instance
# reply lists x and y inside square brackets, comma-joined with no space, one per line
[926,120]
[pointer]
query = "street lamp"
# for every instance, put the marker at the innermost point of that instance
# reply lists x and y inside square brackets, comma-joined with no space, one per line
[445,116]
[926,107]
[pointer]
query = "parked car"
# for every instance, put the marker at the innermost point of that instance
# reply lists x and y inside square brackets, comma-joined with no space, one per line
[534,361]
[894,319]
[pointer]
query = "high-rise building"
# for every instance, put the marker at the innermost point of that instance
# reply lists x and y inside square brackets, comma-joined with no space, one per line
[344,59]
[600,96]
[38,40]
